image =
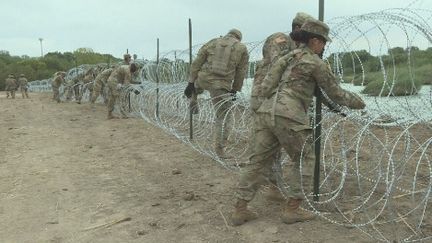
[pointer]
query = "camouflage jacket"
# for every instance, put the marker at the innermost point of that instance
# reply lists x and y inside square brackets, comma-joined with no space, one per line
[274,45]
[205,77]
[57,81]
[23,82]
[121,75]
[11,84]
[103,76]
[89,76]
[291,82]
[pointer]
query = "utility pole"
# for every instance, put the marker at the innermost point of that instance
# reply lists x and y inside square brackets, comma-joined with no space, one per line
[40,40]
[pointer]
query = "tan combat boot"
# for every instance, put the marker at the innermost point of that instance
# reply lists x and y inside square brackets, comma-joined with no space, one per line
[292,212]
[241,213]
[274,194]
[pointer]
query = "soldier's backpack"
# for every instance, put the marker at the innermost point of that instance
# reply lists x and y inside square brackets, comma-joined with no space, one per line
[222,55]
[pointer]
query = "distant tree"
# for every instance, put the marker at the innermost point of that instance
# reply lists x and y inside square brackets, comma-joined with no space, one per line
[396,50]
[84,50]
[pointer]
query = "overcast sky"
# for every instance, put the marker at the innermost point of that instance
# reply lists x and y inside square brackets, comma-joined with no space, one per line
[112,26]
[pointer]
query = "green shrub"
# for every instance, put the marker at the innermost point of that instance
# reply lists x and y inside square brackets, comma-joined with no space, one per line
[368,78]
[424,73]
[401,87]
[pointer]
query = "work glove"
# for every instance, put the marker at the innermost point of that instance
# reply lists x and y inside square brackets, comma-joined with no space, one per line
[190,89]
[335,109]
[356,102]
[233,95]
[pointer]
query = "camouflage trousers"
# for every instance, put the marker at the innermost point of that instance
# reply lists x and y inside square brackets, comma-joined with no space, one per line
[10,93]
[270,136]
[268,171]
[222,102]
[84,88]
[24,92]
[98,86]
[72,90]
[56,93]
[114,92]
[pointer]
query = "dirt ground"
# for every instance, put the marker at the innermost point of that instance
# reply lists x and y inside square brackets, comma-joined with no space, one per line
[69,175]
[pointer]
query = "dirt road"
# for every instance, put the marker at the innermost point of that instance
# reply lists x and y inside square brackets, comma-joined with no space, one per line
[69,175]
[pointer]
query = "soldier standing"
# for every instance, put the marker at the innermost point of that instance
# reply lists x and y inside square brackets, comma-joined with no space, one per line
[220,68]
[127,58]
[56,83]
[89,76]
[120,76]
[23,83]
[282,119]
[11,86]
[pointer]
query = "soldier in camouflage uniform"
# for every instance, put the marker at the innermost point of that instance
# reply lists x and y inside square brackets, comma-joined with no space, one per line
[89,76]
[282,119]
[11,86]
[127,58]
[120,76]
[56,83]
[23,84]
[274,46]
[100,83]
[220,68]
[73,87]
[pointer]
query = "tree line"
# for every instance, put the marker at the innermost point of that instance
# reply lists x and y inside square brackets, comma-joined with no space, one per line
[401,71]
[37,68]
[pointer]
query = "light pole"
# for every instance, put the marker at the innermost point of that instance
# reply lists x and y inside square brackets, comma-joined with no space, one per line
[40,39]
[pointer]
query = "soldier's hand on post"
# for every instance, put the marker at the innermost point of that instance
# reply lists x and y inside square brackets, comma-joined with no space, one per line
[190,89]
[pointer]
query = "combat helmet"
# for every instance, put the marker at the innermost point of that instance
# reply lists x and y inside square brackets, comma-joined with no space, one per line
[236,33]
[316,27]
[301,18]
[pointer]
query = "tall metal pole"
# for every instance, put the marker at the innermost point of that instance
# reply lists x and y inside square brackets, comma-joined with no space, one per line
[190,66]
[157,79]
[317,133]
[40,40]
